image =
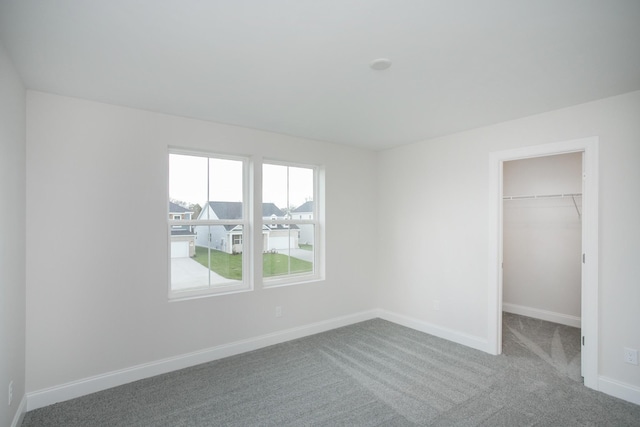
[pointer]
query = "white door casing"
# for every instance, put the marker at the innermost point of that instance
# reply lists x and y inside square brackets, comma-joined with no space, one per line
[589,147]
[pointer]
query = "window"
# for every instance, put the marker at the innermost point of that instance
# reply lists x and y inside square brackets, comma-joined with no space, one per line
[215,188]
[212,235]
[288,193]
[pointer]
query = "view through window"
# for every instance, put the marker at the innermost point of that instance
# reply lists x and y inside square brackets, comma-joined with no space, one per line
[289,221]
[209,222]
[206,242]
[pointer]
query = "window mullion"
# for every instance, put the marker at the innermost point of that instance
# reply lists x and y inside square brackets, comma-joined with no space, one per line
[255,200]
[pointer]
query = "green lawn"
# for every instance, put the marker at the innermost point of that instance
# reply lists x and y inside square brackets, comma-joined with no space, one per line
[230,266]
[278,265]
[306,247]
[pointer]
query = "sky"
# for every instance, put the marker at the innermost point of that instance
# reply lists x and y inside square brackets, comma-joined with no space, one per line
[188,181]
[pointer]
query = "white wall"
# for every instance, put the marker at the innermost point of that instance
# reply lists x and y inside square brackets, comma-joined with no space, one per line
[95,305]
[543,238]
[561,173]
[435,199]
[12,238]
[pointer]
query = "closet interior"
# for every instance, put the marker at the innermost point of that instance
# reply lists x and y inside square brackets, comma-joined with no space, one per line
[542,237]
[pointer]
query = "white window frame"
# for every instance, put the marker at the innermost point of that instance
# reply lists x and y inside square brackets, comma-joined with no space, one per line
[246,284]
[318,232]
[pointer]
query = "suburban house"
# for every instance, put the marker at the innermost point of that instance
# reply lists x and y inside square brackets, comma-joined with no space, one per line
[304,211]
[228,238]
[182,236]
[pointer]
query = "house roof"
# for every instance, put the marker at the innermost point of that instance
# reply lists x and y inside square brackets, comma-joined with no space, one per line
[270,209]
[233,210]
[174,207]
[305,207]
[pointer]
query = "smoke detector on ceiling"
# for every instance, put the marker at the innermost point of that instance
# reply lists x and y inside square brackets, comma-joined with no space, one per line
[380,64]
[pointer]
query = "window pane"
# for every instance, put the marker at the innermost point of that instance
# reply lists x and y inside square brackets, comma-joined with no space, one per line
[187,186]
[288,193]
[274,185]
[283,253]
[197,263]
[205,256]
[301,192]
[195,181]
[306,239]
[302,257]
[289,188]
[215,249]
[225,185]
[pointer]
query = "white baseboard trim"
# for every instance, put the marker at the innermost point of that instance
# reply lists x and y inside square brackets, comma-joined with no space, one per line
[536,313]
[19,416]
[618,389]
[71,390]
[478,343]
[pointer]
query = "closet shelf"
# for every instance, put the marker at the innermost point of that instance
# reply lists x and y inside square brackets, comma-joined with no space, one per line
[542,196]
[549,196]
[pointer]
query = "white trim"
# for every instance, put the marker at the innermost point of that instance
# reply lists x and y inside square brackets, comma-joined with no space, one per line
[589,146]
[73,389]
[20,412]
[537,313]
[448,334]
[590,269]
[618,389]
[494,303]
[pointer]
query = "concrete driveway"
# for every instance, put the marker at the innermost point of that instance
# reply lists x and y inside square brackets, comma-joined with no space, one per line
[299,253]
[187,274]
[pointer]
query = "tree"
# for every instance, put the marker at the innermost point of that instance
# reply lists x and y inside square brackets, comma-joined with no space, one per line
[196,209]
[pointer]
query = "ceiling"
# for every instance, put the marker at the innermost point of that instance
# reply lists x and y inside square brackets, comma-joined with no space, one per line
[301,67]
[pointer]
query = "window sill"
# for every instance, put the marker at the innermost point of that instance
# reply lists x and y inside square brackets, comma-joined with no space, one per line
[291,281]
[175,296]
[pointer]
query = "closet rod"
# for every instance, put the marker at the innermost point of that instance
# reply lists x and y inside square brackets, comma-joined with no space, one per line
[549,196]
[542,196]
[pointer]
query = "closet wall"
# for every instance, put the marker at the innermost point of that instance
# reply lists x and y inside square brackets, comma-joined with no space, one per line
[542,238]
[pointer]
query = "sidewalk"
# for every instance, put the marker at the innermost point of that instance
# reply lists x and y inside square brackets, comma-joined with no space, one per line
[187,274]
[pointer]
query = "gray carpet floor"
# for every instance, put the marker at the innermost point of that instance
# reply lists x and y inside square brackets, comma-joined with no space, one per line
[374,373]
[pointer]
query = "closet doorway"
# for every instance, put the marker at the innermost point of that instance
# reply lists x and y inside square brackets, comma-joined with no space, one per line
[542,251]
[584,312]
[542,238]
